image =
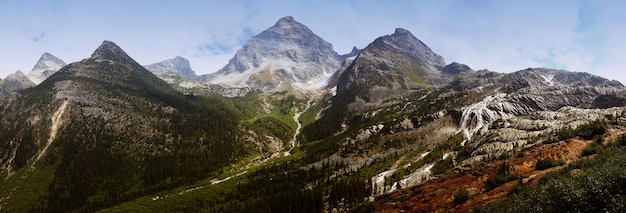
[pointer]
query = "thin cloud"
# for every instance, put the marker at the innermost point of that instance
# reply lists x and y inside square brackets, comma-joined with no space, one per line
[39,37]
[216,48]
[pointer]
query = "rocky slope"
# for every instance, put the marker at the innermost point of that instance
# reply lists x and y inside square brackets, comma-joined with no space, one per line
[14,82]
[286,53]
[45,67]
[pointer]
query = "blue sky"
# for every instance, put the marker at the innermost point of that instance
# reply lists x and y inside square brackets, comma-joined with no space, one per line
[498,35]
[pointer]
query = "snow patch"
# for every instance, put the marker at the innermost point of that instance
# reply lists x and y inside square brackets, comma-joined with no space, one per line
[417,177]
[446,155]
[549,79]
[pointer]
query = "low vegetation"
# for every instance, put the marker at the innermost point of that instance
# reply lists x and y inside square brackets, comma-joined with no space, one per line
[503,176]
[547,163]
[585,131]
[593,184]
[598,185]
[461,196]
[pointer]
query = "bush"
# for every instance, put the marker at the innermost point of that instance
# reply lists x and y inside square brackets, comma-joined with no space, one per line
[598,139]
[585,131]
[546,163]
[502,177]
[461,196]
[622,140]
[600,186]
[443,166]
[518,188]
[504,156]
[368,207]
[591,149]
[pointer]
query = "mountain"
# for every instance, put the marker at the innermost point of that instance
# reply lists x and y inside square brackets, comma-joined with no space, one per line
[14,82]
[286,53]
[390,66]
[105,129]
[177,65]
[45,67]
[534,90]
[457,69]
[405,42]
[397,97]
[353,53]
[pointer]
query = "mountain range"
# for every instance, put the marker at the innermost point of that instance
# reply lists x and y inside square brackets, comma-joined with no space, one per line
[290,125]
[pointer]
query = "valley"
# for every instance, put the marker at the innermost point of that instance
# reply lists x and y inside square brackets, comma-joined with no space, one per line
[290,125]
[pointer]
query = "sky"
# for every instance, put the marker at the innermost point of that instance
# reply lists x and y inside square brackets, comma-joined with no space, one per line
[499,35]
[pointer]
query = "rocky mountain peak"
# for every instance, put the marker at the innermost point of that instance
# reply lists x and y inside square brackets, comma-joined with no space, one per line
[354,52]
[457,69]
[177,65]
[110,51]
[389,58]
[48,61]
[111,65]
[404,41]
[47,65]
[181,59]
[17,75]
[14,82]
[287,52]
[287,20]
[401,31]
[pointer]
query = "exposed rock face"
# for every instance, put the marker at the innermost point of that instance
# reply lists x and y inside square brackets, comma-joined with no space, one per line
[177,65]
[14,82]
[45,67]
[287,52]
[542,78]
[404,41]
[544,90]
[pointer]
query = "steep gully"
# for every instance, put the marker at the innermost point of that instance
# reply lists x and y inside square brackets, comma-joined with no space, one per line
[54,128]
